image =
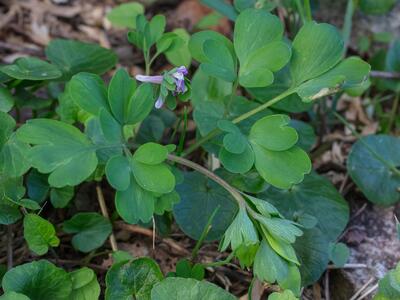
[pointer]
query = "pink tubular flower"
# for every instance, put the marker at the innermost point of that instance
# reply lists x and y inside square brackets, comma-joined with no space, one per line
[178,76]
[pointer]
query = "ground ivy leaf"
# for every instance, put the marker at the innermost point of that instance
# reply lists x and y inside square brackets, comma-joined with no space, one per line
[274,133]
[31,68]
[282,169]
[59,149]
[88,92]
[118,172]
[135,204]
[200,197]
[136,279]
[120,91]
[370,165]
[84,285]
[175,288]
[73,57]
[39,234]
[38,280]
[316,49]
[151,154]
[91,230]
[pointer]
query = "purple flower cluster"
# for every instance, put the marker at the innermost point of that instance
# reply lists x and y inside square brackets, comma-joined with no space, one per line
[178,74]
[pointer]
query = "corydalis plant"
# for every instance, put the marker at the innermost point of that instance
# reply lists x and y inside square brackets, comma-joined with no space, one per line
[172,83]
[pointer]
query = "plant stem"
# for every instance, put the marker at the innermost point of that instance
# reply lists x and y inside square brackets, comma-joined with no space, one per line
[235,194]
[221,262]
[393,112]
[348,21]
[204,234]
[307,6]
[372,151]
[239,119]
[103,208]
[301,11]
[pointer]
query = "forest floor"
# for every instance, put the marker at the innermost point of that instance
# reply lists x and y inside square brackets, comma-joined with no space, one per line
[26,27]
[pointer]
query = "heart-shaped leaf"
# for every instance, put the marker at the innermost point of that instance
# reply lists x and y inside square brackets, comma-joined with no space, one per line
[91,230]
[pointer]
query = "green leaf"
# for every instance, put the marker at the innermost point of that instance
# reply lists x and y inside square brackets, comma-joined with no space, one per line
[389,286]
[7,124]
[273,133]
[199,199]
[371,164]
[88,92]
[141,104]
[220,62]
[13,296]
[307,137]
[38,280]
[73,57]
[166,202]
[151,154]
[156,29]
[349,73]
[293,281]
[13,160]
[281,247]
[91,230]
[84,285]
[339,254]
[197,41]
[132,279]
[285,295]
[313,196]
[316,49]
[254,29]
[111,129]
[175,288]
[10,189]
[38,186]
[121,256]
[124,15]
[282,169]
[39,234]
[237,163]
[241,232]
[62,196]
[180,56]
[268,265]
[392,64]
[135,204]
[120,91]
[118,172]
[31,68]
[259,47]
[154,178]
[376,7]
[27,203]
[222,7]
[6,100]
[59,149]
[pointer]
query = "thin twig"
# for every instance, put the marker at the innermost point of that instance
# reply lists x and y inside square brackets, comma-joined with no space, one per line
[149,233]
[385,75]
[354,297]
[326,284]
[9,247]
[103,208]
[349,266]
[368,292]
